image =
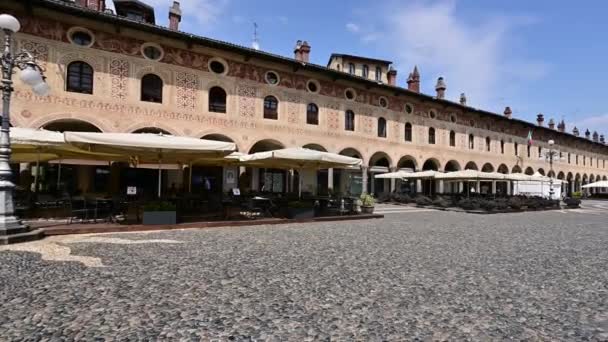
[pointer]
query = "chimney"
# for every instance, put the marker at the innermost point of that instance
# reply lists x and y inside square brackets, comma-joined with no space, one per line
[551,124]
[602,140]
[587,134]
[561,126]
[540,119]
[297,54]
[463,99]
[392,77]
[440,88]
[175,16]
[97,5]
[596,137]
[508,112]
[304,52]
[413,81]
[575,131]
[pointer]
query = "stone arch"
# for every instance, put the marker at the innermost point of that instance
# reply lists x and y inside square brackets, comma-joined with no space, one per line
[541,171]
[471,166]
[45,120]
[569,176]
[266,145]
[516,169]
[502,168]
[487,167]
[351,152]
[163,74]
[220,137]
[149,125]
[380,159]
[529,171]
[551,174]
[431,164]
[64,59]
[152,130]
[73,125]
[407,162]
[315,147]
[561,175]
[451,165]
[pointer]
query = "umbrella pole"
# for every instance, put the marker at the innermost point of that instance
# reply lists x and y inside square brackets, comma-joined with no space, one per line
[37,172]
[58,174]
[159,176]
[190,178]
[300,184]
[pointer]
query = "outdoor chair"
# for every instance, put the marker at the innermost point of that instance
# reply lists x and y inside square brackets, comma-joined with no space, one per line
[251,209]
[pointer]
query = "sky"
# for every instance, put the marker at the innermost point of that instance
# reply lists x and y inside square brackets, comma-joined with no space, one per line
[535,56]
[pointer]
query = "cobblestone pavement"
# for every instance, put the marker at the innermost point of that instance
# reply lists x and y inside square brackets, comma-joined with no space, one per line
[417,275]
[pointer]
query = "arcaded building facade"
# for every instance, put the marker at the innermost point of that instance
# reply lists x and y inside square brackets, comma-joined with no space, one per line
[119,72]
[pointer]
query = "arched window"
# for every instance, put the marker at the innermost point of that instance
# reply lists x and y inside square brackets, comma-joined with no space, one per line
[351,68]
[576,159]
[312,114]
[151,88]
[80,78]
[217,100]
[502,146]
[488,144]
[540,151]
[584,160]
[349,120]
[431,135]
[271,106]
[365,71]
[529,152]
[408,132]
[452,138]
[378,74]
[516,147]
[471,142]
[568,157]
[382,127]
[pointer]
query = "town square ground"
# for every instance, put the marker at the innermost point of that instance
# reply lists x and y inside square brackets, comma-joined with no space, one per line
[416,274]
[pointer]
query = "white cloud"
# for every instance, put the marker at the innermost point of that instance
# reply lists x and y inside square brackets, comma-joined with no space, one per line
[475,57]
[593,122]
[352,27]
[283,19]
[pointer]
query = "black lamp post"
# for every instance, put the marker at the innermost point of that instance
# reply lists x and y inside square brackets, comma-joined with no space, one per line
[11,228]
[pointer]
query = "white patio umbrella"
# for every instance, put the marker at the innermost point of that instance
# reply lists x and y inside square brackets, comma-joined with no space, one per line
[393,175]
[470,175]
[600,184]
[299,158]
[151,148]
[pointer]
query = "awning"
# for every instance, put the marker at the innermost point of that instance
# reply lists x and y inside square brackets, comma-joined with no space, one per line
[394,175]
[299,158]
[151,148]
[600,184]
[422,174]
[470,175]
[35,145]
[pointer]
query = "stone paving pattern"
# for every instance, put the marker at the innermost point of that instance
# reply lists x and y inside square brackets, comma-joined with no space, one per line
[410,276]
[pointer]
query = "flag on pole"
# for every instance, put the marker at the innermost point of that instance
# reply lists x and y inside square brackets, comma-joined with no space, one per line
[530,141]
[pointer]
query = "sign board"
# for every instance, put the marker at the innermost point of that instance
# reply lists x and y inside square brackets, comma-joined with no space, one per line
[131,190]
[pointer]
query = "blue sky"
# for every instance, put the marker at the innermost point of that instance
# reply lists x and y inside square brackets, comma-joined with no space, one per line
[536,56]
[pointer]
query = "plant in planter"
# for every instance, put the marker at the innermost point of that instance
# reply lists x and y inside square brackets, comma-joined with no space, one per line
[515,203]
[572,202]
[488,205]
[468,204]
[300,210]
[423,201]
[441,202]
[367,204]
[159,213]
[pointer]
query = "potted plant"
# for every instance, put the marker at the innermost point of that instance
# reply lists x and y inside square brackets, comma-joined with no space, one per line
[159,213]
[300,210]
[367,204]
[572,202]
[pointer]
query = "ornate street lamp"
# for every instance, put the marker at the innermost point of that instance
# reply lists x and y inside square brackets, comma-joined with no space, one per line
[550,155]
[11,228]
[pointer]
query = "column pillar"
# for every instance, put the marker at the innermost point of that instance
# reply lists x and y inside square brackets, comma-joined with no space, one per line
[364,179]
[330,180]
[392,180]
[494,187]
[373,183]
[418,185]
[441,187]
[255,179]
[477,187]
